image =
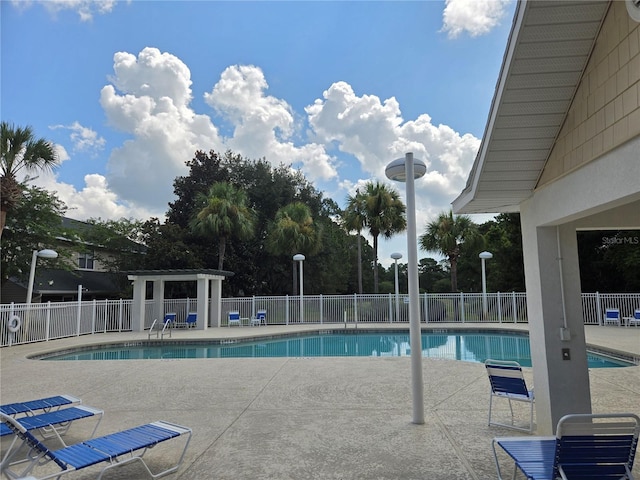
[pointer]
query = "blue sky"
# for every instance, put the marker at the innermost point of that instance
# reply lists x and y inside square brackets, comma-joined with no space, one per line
[129,90]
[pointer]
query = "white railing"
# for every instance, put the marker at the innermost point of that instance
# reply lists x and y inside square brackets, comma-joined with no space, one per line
[48,321]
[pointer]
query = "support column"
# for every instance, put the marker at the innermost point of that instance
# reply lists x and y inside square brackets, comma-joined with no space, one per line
[556,327]
[216,302]
[158,300]
[138,307]
[203,303]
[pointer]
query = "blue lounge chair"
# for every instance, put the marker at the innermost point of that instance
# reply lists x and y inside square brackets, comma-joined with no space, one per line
[192,318]
[234,319]
[32,407]
[612,315]
[116,450]
[55,422]
[260,318]
[635,320]
[507,382]
[586,446]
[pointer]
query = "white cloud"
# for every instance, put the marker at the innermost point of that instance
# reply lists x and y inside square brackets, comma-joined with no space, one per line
[375,133]
[149,100]
[85,9]
[476,17]
[264,126]
[94,200]
[84,139]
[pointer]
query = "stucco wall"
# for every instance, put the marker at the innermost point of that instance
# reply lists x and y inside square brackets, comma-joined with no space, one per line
[606,110]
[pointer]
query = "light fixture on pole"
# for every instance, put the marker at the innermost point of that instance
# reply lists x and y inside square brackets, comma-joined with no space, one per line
[298,257]
[484,256]
[397,256]
[42,254]
[406,170]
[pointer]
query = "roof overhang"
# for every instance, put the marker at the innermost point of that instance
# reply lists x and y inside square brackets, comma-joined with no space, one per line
[547,52]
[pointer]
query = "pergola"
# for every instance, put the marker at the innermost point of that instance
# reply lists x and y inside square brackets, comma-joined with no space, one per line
[209,294]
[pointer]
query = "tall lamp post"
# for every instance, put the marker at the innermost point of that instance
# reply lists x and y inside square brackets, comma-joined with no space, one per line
[407,170]
[484,256]
[298,257]
[46,253]
[397,256]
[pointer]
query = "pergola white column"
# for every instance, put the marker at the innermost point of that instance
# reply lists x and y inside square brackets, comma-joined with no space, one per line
[208,310]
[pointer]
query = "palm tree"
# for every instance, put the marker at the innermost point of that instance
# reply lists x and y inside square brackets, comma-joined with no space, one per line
[446,235]
[225,215]
[20,150]
[385,215]
[354,218]
[293,231]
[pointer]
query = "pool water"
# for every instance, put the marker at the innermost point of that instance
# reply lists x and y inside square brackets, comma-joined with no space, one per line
[470,347]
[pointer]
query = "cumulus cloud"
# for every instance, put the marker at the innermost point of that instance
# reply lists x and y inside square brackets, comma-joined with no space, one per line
[264,126]
[374,132]
[476,17]
[86,9]
[149,98]
[84,139]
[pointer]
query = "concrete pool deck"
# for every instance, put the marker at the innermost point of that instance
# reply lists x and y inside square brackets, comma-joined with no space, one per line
[300,418]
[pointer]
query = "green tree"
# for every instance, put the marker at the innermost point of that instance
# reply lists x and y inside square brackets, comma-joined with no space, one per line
[224,215]
[19,150]
[35,224]
[293,231]
[124,237]
[385,215]
[354,219]
[446,235]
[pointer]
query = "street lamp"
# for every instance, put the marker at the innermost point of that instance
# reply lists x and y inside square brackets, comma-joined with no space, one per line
[298,257]
[43,254]
[406,170]
[484,256]
[397,256]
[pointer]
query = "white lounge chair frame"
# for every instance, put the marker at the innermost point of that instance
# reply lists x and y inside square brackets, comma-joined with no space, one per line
[116,450]
[260,318]
[612,315]
[234,318]
[507,382]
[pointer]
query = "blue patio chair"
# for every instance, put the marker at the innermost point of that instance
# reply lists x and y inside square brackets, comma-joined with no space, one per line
[191,319]
[507,382]
[56,422]
[32,407]
[234,319]
[586,446]
[635,320]
[612,315]
[116,450]
[260,318]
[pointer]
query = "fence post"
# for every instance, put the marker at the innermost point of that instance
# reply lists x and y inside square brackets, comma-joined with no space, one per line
[48,321]
[391,310]
[321,311]
[499,307]
[462,307]
[355,307]
[598,309]
[514,306]
[426,307]
[286,310]
[120,306]
[79,315]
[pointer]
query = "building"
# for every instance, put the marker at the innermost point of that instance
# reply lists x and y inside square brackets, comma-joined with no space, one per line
[562,148]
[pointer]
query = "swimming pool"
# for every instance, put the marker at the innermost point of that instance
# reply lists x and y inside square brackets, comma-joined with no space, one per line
[470,347]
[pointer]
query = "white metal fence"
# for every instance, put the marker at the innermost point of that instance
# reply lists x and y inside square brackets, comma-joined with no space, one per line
[48,321]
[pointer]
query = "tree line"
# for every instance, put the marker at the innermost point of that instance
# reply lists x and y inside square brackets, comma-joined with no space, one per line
[249,217]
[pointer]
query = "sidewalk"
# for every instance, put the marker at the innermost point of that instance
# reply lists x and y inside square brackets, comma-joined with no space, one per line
[300,418]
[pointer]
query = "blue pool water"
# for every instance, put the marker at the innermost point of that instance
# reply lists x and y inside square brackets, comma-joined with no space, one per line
[470,347]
